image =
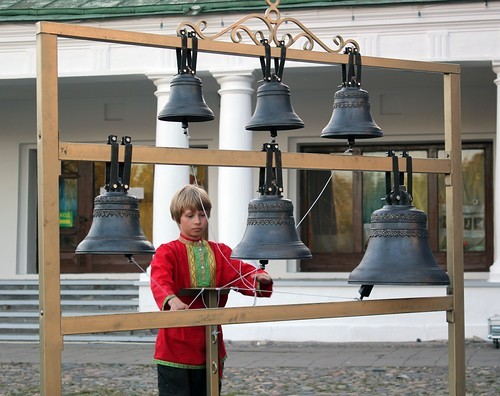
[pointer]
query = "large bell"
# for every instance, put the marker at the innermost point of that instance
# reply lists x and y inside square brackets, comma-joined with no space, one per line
[115,228]
[270,232]
[273,109]
[398,251]
[186,102]
[351,117]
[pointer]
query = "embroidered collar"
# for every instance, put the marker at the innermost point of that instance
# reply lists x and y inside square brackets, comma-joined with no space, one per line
[201,261]
[185,240]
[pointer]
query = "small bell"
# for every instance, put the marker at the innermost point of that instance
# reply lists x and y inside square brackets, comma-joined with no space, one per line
[186,103]
[351,117]
[273,109]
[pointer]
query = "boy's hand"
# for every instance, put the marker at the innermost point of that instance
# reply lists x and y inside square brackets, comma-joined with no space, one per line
[176,304]
[263,278]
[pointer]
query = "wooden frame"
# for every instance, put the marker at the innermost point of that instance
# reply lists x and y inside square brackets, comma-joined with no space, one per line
[51,151]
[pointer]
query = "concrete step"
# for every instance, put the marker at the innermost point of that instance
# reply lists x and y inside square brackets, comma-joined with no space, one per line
[19,306]
[104,337]
[99,284]
[73,292]
[128,305]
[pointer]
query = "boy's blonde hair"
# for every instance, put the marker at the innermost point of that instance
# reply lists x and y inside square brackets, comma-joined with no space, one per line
[189,197]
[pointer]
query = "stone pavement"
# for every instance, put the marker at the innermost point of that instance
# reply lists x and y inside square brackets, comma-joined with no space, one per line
[264,368]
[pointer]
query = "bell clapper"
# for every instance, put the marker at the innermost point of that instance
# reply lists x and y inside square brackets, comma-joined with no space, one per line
[185,128]
[364,291]
[274,133]
[350,145]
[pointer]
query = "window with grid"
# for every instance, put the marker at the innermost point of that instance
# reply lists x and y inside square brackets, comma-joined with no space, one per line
[336,230]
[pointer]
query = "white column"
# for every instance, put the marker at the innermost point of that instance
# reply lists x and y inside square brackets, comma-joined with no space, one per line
[235,187]
[495,268]
[167,178]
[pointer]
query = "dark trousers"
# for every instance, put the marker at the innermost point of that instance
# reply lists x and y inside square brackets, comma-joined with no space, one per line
[173,381]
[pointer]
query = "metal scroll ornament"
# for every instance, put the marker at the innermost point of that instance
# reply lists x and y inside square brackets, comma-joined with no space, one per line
[272,22]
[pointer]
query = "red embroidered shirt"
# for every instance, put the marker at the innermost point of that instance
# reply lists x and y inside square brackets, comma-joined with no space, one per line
[182,264]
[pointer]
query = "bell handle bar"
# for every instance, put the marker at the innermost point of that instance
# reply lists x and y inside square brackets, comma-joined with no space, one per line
[351,73]
[279,63]
[409,173]
[112,166]
[118,173]
[395,196]
[187,58]
[127,162]
[265,61]
[271,178]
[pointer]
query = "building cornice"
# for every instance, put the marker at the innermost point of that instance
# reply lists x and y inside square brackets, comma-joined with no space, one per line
[443,32]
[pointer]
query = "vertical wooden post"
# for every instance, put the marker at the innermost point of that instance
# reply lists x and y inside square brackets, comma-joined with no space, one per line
[212,347]
[210,296]
[51,340]
[454,236]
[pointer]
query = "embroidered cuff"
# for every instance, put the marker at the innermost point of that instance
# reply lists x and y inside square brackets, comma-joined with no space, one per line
[165,302]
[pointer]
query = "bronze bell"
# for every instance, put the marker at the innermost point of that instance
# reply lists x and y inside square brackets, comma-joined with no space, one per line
[398,251]
[270,232]
[351,117]
[186,103]
[273,109]
[116,227]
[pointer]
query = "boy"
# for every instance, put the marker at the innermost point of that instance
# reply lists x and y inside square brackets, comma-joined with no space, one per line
[192,262]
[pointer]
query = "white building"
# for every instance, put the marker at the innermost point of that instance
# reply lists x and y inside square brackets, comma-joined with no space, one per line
[119,89]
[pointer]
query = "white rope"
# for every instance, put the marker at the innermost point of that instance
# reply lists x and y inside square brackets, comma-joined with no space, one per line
[316,200]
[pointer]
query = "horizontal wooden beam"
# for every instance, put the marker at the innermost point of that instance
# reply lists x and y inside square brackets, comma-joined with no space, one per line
[238,315]
[255,159]
[229,48]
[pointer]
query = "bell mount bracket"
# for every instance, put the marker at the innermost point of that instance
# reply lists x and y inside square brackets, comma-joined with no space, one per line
[397,195]
[118,173]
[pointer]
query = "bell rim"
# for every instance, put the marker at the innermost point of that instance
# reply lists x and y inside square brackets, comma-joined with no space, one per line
[188,118]
[90,246]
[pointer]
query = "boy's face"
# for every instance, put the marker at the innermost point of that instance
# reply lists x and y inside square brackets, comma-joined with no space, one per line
[193,223]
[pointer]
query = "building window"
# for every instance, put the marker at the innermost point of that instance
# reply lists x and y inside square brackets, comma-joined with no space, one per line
[337,228]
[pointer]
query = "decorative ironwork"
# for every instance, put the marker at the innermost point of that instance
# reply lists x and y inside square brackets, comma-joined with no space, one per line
[273,21]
